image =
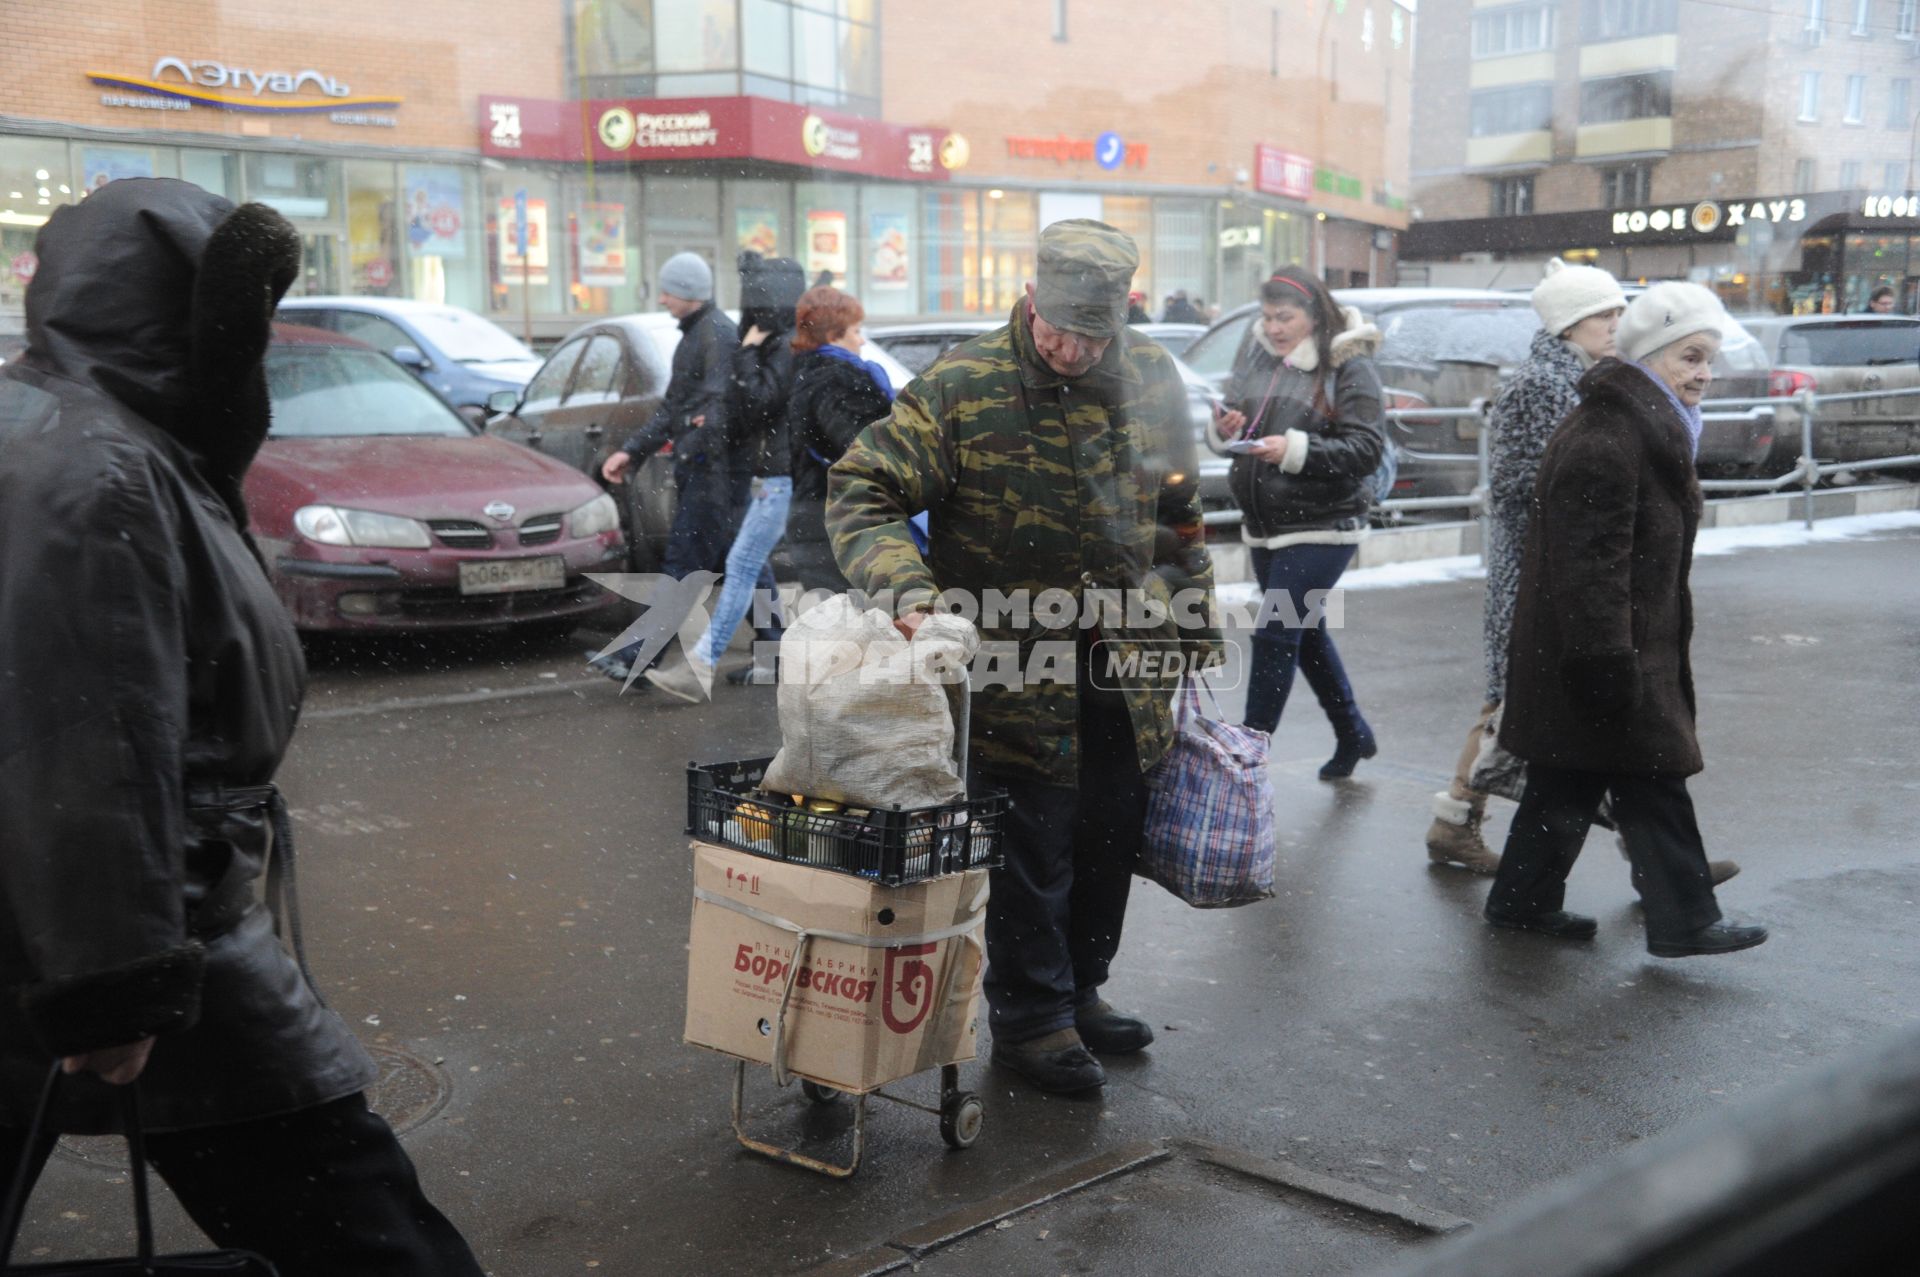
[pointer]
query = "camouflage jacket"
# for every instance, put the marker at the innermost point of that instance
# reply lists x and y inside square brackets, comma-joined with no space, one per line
[1036,483]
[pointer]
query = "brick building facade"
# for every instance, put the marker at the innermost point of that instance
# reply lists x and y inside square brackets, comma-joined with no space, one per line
[392,136]
[1536,123]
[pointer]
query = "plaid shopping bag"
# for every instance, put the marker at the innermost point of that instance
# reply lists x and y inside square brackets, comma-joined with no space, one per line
[1209,835]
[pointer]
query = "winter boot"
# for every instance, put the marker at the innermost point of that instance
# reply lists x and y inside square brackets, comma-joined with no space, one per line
[1454,836]
[1352,742]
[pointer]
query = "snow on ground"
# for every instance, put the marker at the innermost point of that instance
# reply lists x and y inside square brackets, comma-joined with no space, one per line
[1712,542]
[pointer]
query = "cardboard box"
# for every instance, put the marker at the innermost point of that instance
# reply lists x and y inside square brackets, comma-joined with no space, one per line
[902,1000]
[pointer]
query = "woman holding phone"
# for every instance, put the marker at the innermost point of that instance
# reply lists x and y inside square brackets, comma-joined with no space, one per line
[1303,412]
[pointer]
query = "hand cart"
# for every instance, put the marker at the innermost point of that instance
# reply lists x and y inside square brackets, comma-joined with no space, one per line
[890,848]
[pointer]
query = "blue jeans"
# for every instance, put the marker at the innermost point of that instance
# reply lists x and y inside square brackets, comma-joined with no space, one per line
[1279,646]
[762,527]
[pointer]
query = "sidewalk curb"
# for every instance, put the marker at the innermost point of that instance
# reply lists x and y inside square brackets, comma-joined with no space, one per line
[1300,1180]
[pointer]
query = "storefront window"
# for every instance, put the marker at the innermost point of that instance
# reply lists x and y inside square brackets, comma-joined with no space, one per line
[1183,246]
[300,187]
[602,243]
[215,171]
[1009,232]
[1873,261]
[683,216]
[695,35]
[34,180]
[1134,215]
[888,243]
[373,235]
[522,284]
[950,251]
[443,235]
[826,211]
[102,164]
[1243,249]
[761,216]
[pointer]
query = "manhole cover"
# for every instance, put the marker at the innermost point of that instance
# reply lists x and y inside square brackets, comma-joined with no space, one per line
[407,1093]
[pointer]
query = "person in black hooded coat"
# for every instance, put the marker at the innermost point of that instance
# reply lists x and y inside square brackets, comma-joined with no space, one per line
[150,681]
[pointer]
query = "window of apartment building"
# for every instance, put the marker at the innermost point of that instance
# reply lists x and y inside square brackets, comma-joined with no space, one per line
[1903,21]
[1617,19]
[1512,196]
[1809,96]
[1060,19]
[1856,99]
[1648,95]
[788,50]
[1523,108]
[1863,17]
[1803,176]
[1626,186]
[1899,105]
[1519,28]
[1849,175]
[1816,23]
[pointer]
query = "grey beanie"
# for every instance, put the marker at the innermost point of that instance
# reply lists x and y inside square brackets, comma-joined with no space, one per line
[687,275]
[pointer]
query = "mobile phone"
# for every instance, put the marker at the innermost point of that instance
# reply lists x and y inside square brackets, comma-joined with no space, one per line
[1241,445]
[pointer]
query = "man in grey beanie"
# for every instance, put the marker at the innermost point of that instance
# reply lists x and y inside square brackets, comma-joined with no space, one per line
[692,417]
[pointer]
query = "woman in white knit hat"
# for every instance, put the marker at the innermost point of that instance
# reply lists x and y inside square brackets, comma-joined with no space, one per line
[1579,308]
[1599,695]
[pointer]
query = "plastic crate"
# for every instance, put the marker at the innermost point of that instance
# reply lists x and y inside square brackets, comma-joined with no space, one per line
[892,846]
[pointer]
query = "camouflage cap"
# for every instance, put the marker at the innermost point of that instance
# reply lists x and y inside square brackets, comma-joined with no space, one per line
[1085,269]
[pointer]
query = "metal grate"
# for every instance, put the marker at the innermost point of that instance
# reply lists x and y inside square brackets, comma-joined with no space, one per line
[540,529]
[461,534]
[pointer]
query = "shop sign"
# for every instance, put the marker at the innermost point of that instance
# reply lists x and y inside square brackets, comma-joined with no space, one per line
[1339,184]
[379,272]
[1878,206]
[1708,216]
[1110,151]
[183,83]
[1285,173]
[1240,237]
[727,128]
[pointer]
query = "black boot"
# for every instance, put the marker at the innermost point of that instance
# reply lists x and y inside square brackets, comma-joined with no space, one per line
[1352,742]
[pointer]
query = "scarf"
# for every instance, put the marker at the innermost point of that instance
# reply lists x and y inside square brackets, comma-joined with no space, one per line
[1690,417]
[874,370]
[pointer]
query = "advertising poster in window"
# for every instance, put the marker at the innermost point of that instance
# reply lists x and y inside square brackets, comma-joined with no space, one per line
[101,166]
[433,206]
[887,263]
[757,230]
[826,243]
[603,245]
[535,265]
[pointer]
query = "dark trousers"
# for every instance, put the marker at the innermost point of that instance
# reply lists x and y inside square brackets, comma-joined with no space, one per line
[1655,818]
[1055,913]
[324,1192]
[702,531]
[1280,646]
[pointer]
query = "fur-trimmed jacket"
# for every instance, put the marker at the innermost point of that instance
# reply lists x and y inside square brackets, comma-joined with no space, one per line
[1523,417]
[1600,678]
[1334,428]
[147,673]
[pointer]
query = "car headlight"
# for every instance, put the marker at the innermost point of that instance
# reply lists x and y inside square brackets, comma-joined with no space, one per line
[332,525]
[596,516]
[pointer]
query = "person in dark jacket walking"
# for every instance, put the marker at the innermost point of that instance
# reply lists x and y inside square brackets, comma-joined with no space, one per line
[760,382]
[150,680]
[692,416]
[1305,405]
[1600,698]
[836,395]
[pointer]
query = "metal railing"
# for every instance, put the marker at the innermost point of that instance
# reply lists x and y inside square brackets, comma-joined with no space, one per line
[1806,471]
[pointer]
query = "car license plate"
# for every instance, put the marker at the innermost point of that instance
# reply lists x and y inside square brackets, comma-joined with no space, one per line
[501,576]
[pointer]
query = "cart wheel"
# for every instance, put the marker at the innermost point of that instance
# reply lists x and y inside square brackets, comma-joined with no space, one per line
[960,1119]
[817,1093]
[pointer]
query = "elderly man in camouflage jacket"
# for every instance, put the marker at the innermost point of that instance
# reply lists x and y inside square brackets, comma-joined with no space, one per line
[1056,461]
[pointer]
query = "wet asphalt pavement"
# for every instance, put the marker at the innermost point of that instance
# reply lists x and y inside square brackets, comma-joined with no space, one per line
[496,891]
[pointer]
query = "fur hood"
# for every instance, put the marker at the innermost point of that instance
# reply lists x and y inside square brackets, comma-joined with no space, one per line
[1356,337]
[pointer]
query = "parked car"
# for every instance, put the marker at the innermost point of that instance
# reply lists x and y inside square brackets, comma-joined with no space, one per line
[918,345]
[1844,354]
[1446,348]
[600,385]
[377,507]
[1175,337]
[460,356]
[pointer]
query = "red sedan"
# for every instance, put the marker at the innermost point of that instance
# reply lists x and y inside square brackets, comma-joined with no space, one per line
[377,507]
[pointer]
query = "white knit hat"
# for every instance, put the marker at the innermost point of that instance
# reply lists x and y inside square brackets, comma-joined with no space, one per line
[1571,293]
[1666,313]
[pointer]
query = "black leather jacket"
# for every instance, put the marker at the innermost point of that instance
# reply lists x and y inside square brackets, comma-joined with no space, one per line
[762,380]
[145,667]
[697,388]
[832,402]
